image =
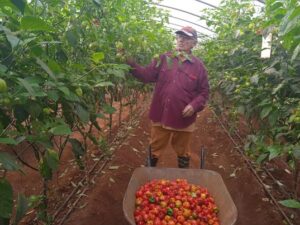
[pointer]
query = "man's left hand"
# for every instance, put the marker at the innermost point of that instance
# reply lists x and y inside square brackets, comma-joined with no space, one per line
[188,111]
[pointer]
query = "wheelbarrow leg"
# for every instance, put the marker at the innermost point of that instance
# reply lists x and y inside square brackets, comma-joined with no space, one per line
[151,162]
[202,157]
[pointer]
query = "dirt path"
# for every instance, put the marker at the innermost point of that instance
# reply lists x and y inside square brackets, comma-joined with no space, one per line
[103,203]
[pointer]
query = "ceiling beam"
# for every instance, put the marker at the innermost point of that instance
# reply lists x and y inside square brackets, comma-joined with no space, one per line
[203,2]
[191,23]
[170,7]
[202,34]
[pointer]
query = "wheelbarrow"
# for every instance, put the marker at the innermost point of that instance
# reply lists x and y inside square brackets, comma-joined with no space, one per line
[202,177]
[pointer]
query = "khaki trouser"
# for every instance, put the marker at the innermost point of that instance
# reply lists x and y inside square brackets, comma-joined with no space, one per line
[160,137]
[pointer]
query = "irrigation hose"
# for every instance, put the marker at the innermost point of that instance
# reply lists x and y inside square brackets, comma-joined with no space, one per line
[253,170]
[82,193]
[85,189]
[282,188]
[76,188]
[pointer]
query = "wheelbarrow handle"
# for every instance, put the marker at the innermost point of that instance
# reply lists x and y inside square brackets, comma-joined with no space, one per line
[202,157]
[149,156]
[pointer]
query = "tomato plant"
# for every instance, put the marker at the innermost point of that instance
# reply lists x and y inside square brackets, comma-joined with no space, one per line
[59,73]
[264,91]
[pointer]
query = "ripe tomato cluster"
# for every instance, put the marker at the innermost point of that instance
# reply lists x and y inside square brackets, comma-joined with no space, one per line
[165,202]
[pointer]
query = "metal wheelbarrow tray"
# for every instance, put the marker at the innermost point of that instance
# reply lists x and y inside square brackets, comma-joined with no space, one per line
[204,178]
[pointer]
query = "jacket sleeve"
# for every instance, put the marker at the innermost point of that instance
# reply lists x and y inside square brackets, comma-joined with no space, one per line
[201,99]
[148,73]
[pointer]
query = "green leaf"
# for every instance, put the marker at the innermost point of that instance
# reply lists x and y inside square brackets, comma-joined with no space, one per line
[108,109]
[82,113]
[52,159]
[261,158]
[8,141]
[34,109]
[265,111]
[72,38]
[46,68]
[45,170]
[20,113]
[117,73]
[290,203]
[22,207]
[27,86]
[53,95]
[65,90]
[274,151]
[77,148]
[12,39]
[20,5]
[34,24]
[279,86]
[295,53]
[104,84]
[296,152]
[254,79]
[6,196]
[97,2]
[291,25]
[8,162]
[63,129]
[98,57]
[273,117]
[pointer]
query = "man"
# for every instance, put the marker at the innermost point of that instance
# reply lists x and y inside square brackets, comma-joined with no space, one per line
[181,91]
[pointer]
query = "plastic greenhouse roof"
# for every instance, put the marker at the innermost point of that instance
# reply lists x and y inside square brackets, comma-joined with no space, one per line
[187,12]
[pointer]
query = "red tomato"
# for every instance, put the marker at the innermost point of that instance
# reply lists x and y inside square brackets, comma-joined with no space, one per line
[163,202]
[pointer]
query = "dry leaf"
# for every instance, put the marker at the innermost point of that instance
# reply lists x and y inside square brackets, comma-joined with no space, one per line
[265,199]
[82,206]
[221,167]
[134,149]
[112,180]
[267,186]
[279,183]
[113,167]
[215,155]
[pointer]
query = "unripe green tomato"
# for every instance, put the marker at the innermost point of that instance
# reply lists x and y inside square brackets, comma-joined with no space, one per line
[17,100]
[3,86]
[237,91]
[5,101]
[47,110]
[93,45]
[133,17]
[119,55]
[79,91]
[119,45]
[131,39]
[144,44]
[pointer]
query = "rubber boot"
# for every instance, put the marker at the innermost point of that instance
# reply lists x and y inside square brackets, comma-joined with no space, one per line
[183,161]
[153,162]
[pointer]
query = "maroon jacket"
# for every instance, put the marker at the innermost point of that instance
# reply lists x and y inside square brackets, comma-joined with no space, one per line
[177,85]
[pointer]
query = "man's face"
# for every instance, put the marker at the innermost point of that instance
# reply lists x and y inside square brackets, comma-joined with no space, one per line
[184,43]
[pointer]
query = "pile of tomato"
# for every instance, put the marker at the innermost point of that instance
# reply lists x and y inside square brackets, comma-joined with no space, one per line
[165,202]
